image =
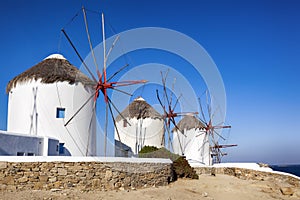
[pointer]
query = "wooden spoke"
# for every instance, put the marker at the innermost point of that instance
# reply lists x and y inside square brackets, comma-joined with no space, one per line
[177,100]
[81,107]
[89,38]
[202,112]
[79,56]
[121,69]
[89,129]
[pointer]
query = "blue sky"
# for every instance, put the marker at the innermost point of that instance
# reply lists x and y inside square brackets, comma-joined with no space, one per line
[255,45]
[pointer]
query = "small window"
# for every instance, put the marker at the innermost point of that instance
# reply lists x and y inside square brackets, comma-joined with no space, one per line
[20,154]
[124,123]
[30,154]
[60,112]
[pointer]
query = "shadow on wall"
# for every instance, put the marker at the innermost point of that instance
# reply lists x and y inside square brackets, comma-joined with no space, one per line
[122,150]
[62,150]
[66,152]
[4,153]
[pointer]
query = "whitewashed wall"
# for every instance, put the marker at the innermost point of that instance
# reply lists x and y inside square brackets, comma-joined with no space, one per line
[142,132]
[11,144]
[32,110]
[195,145]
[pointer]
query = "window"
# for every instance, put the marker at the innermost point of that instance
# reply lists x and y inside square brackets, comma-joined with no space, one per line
[124,123]
[30,154]
[60,112]
[20,154]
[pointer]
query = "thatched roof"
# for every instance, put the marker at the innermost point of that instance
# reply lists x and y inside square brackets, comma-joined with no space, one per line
[139,108]
[189,122]
[54,68]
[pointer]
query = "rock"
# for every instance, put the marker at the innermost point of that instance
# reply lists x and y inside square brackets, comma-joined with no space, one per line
[263,165]
[36,169]
[80,174]
[62,171]
[204,194]
[23,179]
[118,184]
[52,179]
[38,186]
[11,188]
[238,173]
[287,191]
[122,188]
[108,174]
[297,194]
[58,165]
[57,184]
[55,190]
[43,178]
[27,173]
[68,185]
[122,176]
[3,187]
[127,181]
[96,182]
[8,180]
[3,165]
[90,175]
[267,189]
[54,170]
[213,172]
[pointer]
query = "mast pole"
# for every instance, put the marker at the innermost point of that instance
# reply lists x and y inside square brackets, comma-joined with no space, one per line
[104,49]
[104,83]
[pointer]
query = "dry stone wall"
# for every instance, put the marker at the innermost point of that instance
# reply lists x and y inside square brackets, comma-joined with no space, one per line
[281,184]
[275,184]
[248,174]
[82,175]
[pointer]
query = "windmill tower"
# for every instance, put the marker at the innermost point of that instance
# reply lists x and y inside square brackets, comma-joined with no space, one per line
[170,114]
[213,133]
[41,98]
[138,125]
[194,142]
[103,82]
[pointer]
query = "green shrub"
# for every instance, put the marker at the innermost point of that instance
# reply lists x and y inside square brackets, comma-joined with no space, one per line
[148,149]
[181,167]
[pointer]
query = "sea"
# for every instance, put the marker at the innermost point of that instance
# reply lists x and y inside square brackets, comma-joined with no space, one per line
[292,169]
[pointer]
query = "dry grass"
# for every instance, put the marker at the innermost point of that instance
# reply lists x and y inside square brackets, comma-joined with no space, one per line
[50,71]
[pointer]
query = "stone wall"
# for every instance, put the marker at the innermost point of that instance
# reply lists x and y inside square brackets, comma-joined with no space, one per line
[249,174]
[83,175]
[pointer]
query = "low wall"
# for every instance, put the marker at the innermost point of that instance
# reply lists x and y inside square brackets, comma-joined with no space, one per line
[250,174]
[90,174]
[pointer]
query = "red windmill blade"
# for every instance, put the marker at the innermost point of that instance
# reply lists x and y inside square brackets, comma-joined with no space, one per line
[217,153]
[102,82]
[169,112]
[210,128]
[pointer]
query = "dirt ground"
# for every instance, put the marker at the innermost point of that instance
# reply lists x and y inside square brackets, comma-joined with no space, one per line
[220,187]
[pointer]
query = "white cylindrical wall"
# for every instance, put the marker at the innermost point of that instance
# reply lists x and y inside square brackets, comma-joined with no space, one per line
[142,132]
[32,109]
[194,145]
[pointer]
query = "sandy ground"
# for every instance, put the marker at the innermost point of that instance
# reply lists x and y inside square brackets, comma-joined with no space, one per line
[220,187]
